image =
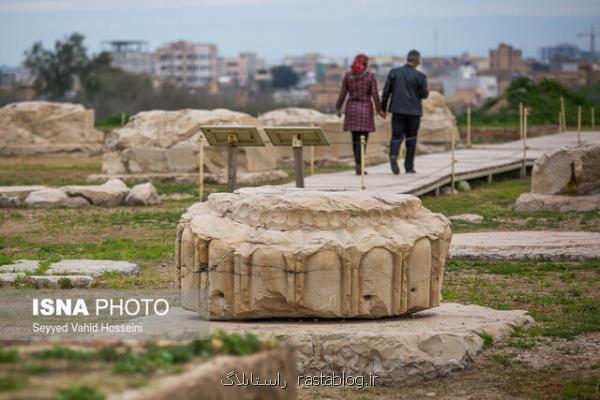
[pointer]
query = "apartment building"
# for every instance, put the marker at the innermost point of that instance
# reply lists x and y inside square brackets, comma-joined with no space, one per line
[187,63]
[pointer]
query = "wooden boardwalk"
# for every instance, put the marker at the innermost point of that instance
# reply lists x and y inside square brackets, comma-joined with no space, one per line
[433,170]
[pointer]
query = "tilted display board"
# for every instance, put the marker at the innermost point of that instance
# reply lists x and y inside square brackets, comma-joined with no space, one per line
[297,137]
[232,136]
[285,136]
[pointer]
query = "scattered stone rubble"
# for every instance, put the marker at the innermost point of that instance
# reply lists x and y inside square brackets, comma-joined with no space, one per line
[112,193]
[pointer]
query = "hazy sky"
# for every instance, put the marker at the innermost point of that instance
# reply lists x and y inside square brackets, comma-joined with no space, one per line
[275,28]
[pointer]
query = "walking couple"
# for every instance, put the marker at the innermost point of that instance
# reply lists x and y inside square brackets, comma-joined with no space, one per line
[405,86]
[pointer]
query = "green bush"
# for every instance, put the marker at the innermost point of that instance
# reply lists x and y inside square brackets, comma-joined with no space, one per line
[542,100]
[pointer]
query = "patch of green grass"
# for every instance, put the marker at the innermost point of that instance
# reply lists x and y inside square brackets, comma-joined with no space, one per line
[36,369]
[8,356]
[488,339]
[588,389]
[8,383]
[64,353]
[502,359]
[6,259]
[79,393]
[112,249]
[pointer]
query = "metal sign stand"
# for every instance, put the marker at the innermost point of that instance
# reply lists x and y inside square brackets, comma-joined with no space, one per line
[297,137]
[233,137]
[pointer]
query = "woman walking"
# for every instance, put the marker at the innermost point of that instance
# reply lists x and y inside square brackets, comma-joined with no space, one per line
[360,86]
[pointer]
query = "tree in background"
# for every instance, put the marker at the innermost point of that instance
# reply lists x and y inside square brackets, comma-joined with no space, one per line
[284,77]
[57,71]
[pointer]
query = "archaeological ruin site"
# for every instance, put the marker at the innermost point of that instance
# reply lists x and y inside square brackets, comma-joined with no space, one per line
[474,278]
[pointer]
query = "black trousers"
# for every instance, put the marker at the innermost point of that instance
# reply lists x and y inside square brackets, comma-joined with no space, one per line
[356,144]
[405,127]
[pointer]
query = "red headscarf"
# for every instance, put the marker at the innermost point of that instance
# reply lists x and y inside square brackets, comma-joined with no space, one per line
[360,63]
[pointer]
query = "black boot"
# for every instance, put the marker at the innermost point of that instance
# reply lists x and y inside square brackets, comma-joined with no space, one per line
[394,165]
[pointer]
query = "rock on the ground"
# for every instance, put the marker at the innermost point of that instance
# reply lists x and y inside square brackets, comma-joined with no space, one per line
[21,266]
[546,245]
[110,194]
[463,186]
[10,202]
[51,198]
[59,281]
[9,278]
[438,124]
[469,218]
[167,142]
[41,127]
[275,252]
[21,192]
[560,203]
[448,191]
[93,267]
[432,343]
[568,171]
[144,194]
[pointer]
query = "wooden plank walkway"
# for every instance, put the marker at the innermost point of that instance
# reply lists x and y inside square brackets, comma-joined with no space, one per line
[433,170]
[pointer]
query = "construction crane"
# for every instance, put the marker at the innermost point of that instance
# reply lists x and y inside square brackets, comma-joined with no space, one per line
[592,35]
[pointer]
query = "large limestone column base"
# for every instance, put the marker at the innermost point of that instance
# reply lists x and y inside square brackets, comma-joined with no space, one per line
[281,252]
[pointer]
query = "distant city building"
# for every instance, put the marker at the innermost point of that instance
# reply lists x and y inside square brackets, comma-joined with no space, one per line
[506,58]
[187,63]
[303,64]
[562,51]
[240,71]
[130,55]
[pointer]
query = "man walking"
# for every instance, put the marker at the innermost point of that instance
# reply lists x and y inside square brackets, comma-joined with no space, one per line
[407,87]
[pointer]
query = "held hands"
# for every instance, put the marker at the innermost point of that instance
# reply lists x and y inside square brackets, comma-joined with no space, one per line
[338,113]
[382,114]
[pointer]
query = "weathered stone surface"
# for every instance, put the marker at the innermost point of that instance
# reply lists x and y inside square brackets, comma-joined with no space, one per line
[167,142]
[93,267]
[209,380]
[50,198]
[431,343]
[144,194]
[21,266]
[545,245]
[277,252]
[469,218]
[41,127]
[438,124]
[550,202]
[463,186]
[9,278]
[10,202]
[21,192]
[60,281]
[110,194]
[570,171]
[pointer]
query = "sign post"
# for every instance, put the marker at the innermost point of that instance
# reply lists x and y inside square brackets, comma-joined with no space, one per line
[297,137]
[232,137]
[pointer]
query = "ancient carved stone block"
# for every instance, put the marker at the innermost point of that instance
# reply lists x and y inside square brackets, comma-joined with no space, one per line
[274,252]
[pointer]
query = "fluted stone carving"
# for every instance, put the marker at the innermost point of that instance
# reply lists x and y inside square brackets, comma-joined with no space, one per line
[274,252]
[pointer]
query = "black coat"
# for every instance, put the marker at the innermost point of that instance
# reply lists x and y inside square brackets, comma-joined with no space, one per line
[408,87]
